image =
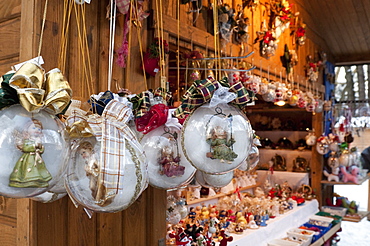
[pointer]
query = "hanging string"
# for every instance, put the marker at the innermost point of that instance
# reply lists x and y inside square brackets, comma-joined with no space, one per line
[159,35]
[128,20]
[86,47]
[163,64]
[82,41]
[67,10]
[138,32]
[178,53]
[112,30]
[42,30]
[215,37]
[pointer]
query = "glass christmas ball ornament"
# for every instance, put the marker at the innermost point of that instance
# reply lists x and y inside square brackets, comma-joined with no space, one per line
[253,157]
[319,105]
[217,139]
[108,169]
[269,96]
[34,149]
[90,183]
[322,145]
[233,77]
[345,158]
[218,180]
[264,86]
[292,101]
[167,164]
[310,107]
[302,102]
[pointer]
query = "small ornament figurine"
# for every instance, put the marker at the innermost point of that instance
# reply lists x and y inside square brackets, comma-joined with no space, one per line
[252,224]
[351,176]
[223,238]
[200,240]
[300,164]
[181,237]
[93,171]
[221,146]
[192,215]
[170,165]
[241,220]
[30,170]
[279,163]
[334,165]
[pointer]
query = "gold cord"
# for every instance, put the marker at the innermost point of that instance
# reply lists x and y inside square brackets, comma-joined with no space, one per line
[42,28]
[138,31]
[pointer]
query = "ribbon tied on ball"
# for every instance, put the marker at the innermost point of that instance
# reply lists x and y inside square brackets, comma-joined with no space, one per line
[115,136]
[39,90]
[201,91]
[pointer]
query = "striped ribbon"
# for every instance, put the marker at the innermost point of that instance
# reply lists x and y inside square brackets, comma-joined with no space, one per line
[201,91]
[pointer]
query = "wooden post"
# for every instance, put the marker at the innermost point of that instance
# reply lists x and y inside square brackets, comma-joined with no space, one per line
[317,159]
[30,20]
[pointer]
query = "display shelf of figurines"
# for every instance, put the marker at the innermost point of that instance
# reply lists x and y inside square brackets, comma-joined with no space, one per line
[359,182]
[219,195]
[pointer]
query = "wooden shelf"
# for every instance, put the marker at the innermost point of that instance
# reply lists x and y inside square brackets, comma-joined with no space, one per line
[290,150]
[362,214]
[343,183]
[327,235]
[220,195]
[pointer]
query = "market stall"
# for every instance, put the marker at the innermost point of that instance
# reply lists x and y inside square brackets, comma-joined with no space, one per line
[119,116]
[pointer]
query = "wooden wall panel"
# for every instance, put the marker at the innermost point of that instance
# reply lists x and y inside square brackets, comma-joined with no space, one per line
[9,9]
[81,230]
[54,215]
[314,43]
[8,229]
[9,39]
[135,222]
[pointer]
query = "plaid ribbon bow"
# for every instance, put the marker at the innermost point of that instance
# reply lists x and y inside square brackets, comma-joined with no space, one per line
[143,101]
[201,91]
[111,131]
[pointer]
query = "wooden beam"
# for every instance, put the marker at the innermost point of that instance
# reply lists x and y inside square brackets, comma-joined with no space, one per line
[317,159]
[30,20]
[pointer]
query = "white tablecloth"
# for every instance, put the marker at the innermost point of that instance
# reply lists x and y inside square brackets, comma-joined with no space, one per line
[294,179]
[277,227]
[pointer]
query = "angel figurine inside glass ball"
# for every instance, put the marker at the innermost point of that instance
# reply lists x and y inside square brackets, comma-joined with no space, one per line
[93,172]
[170,165]
[30,170]
[221,145]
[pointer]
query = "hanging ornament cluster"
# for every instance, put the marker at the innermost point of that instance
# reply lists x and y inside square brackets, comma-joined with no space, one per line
[300,34]
[267,40]
[152,57]
[312,68]
[226,23]
[280,16]
[33,135]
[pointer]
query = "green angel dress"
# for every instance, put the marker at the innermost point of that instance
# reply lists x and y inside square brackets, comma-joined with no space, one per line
[221,148]
[30,170]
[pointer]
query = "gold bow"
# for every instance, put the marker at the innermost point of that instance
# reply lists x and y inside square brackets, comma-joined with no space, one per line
[37,90]
[79,129]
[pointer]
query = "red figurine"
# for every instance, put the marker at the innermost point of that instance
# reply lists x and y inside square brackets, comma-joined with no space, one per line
[181,237]
[224,238]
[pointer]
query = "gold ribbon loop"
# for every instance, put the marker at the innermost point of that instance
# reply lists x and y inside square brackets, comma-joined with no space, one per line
[58,91]
[30,75]
[37,90]
[79,129]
